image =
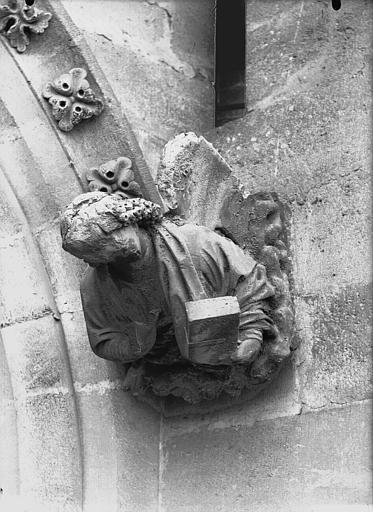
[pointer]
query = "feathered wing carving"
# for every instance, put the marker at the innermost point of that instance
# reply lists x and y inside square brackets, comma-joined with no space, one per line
[198,185]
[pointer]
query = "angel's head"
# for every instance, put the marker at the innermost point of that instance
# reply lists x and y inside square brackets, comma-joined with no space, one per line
[101,228]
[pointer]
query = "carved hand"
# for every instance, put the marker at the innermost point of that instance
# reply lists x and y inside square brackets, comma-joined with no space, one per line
[125,345]
[116,346]
[248,348]
[249,345]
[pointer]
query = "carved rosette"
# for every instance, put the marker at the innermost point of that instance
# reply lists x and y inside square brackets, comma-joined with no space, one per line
[19,17]
[115,176]
[72,99]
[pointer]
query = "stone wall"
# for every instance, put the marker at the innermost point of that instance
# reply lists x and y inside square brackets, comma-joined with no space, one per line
[158,57]
[72,439]
[304,445]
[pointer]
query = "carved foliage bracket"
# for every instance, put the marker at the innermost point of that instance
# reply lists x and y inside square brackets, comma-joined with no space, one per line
[18,17]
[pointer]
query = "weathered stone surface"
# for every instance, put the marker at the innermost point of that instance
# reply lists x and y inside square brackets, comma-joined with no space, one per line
[49,357]
[159,58]
[296,463]
[20,17]
[8,424]
[307,135]
[120,449]
[91,226]
[279,398]
[72,99]
[308,138]
[100,138]
[335,358]
[198,185]
[114,176]
[137,299]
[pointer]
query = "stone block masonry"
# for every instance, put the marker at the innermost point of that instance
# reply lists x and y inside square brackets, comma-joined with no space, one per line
[304,445]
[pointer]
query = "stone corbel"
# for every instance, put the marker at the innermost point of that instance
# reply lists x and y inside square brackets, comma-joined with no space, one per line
[196,302]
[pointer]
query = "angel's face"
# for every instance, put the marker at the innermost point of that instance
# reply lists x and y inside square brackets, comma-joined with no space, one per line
[124,244]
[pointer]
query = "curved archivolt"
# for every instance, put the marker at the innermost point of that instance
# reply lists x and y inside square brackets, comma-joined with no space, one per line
[75,440]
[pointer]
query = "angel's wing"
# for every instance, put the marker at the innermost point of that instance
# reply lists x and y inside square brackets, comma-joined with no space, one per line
[198,185]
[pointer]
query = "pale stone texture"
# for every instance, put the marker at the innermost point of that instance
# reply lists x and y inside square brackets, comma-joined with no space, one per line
[292,464]
[307,135]
[158,57]
[303,446]
[9,472]
[73,443]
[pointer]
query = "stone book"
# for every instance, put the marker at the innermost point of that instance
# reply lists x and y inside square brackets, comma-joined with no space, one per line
[212,329]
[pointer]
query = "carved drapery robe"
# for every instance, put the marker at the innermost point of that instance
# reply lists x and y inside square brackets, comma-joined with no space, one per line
[193,263]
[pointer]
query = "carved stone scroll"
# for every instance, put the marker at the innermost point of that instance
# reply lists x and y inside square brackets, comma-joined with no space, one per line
[17,18]
[196,302]
[72,99]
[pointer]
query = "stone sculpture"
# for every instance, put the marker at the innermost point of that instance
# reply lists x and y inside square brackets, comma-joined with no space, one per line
[115,176]
[185,307]
[72,99]
[17,18]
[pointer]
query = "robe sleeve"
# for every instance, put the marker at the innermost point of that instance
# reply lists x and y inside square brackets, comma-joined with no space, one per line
[253,292]
[111,334]
[231,271]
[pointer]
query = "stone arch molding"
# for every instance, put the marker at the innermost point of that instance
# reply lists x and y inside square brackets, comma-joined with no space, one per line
[75,439]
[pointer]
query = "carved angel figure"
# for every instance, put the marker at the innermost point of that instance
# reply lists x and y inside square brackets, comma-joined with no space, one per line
[150,273]
[146,269]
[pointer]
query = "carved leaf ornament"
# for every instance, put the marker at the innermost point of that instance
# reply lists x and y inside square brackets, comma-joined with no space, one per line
[115,176]
[18,17]
[72,99]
